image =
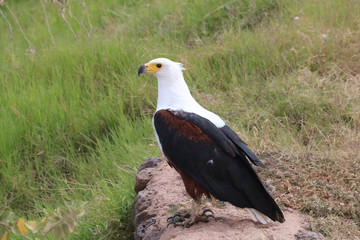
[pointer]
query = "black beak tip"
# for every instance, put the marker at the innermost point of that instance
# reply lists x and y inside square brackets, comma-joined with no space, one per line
[141,70]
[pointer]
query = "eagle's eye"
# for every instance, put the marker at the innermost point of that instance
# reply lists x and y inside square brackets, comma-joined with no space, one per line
[159,65]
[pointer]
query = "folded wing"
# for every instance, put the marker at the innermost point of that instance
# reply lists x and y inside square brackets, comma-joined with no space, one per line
[215,158]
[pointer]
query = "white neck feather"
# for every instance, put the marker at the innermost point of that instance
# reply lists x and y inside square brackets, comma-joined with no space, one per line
[174,94]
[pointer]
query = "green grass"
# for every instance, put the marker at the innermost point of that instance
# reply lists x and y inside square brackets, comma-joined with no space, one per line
[76,120]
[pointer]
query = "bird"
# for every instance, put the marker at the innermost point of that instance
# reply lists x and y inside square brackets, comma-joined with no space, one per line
[212,160]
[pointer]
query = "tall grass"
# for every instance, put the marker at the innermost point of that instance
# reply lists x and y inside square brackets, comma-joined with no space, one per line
[76,120]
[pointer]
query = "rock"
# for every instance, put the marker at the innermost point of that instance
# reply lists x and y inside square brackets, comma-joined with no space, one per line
[149,163]
[145,173]
[161,192]
[308,235]
[140,232]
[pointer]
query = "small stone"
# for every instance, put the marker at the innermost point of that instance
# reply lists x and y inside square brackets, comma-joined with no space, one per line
[324,35]
[143,201]
[149,163]
[140,231]
[142,218]
[142,179]
[308,235]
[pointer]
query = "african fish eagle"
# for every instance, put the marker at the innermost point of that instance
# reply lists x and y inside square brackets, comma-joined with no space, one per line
[210,157]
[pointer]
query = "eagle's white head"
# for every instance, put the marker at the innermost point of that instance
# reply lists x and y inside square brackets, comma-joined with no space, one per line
[162,67]
[173,92]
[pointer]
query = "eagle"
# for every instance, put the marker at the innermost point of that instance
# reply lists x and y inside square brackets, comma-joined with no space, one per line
[212,160]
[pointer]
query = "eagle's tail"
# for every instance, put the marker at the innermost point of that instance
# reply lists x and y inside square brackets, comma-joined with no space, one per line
[256,215]
[255,195]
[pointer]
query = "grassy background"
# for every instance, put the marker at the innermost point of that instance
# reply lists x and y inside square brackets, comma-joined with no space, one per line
[76,120]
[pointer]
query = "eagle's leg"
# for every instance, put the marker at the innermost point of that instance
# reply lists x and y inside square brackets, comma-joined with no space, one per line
[188,217]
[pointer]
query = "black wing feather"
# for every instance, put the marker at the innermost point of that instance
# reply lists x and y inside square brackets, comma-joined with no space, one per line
[220,168]
[242,145]
[211,130]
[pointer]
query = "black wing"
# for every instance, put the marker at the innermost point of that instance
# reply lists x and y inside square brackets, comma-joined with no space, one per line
[227,140]
[241,145]
[215,159]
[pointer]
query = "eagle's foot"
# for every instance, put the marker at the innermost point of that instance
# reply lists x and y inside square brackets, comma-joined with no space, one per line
[187,220]
[178,219]
[209,215]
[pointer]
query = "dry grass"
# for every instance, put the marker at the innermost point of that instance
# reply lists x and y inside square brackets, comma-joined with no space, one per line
[340,52]
[317,168]
[335,227]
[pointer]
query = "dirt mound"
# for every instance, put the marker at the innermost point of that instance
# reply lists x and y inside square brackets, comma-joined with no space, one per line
[160,193]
